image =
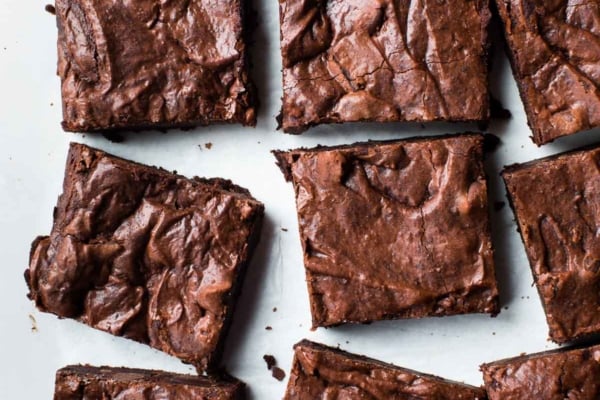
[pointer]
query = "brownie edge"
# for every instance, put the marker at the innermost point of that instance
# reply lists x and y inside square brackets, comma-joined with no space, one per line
[319,371]
[81,382]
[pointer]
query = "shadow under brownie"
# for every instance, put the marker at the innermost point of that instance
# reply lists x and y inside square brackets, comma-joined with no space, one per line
[146,254]
[396,229]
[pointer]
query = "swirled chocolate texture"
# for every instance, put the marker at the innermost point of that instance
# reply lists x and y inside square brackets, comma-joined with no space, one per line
[394,229]
[383,60]
[321,372]
[145,254]
[82,382]
[552,375]
[152,64]
[557,204]
[554,47]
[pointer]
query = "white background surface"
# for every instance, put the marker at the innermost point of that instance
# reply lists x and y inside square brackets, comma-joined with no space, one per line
[32,154]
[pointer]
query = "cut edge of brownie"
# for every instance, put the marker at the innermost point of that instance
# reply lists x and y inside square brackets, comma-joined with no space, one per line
[218,185]
[364,359]
[284,160]
[88,373]
[515,167]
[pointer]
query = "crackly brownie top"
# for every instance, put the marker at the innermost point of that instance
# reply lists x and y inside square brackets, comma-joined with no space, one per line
[384,60]
[151,63]
[554,375]
[321,372]
[78,382]
[557,204]
[394,229]
[555,50]
[143,253]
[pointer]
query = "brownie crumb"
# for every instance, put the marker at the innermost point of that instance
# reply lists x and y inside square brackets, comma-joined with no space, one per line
[50,9]
[274,309]
[208,145]
[268,328]
[113,137]
[284,229]
[499,205]
[270,360]
[278,373]
[34,327]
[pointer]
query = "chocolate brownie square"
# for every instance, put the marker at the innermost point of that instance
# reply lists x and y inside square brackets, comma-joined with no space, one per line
[84,382]
[554,48]
[383,60]
[143,253]
[395,229]
[556,201]
[552,375]
[321,372]
[152,64]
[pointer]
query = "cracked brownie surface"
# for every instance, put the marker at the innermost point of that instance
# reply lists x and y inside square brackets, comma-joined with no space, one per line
[152,64]
[553,375]
[383,60]
[394,229]
[322,372]
[146,254]
[554,47]
[81,382]
[557,204]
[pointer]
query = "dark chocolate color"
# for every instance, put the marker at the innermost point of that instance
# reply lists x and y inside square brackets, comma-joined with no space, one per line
[152,64]
[553,375]
[557,204]
[383,60]
[78,382]
[395,229]
[142,253]
[554,47]
[321,372]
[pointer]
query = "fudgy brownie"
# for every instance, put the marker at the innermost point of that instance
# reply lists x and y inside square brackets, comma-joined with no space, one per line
[146,254]
[152,64]
[395,229]
[383,60]
[552,375]
[554,47]
[320,372]
[556,201]
[80,382]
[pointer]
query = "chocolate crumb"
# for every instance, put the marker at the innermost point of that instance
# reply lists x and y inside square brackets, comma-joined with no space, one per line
[499,205]
[50,9]
[284,229]
[268,328]
[278,373]
[274,309]
[270,360]
[208,145]
[34,327]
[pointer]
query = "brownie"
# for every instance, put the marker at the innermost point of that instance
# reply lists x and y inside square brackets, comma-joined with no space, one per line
[554,48]
[321,372]
[79,382]
[152,64]
[146,254]
[556,201]
[396,229]
[552,375]
[383,60]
